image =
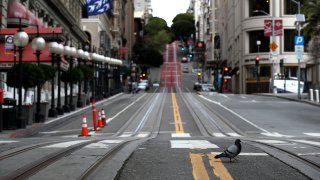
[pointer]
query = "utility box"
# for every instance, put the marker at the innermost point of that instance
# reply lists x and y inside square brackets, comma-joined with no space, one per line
[9,114]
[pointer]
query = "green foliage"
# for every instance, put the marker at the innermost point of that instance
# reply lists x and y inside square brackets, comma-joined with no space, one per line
[158,34]
[76,74]
[49,72]
[311,10]
[87,72]
[32,75]
[183,17]
[155,25]
[147,55]
[183,26]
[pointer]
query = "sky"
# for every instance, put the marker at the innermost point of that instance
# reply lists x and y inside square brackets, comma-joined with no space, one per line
[168,9]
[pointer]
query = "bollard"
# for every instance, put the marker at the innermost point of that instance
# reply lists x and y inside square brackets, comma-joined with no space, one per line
[311,94]
[316,95]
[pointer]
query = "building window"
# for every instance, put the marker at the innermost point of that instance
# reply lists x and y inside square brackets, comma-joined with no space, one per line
[290,7]
[255,36]
[289,39]
[262,5]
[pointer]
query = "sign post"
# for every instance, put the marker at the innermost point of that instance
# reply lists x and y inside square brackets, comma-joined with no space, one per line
[299,49]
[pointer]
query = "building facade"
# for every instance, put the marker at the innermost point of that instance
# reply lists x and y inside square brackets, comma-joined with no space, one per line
[241,30]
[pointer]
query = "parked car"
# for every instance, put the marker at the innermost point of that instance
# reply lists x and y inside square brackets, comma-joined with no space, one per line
[197,86]
[207,87]
[184,60]
[143,86]
[185,70]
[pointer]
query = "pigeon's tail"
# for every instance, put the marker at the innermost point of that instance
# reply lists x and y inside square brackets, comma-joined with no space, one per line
[220,155]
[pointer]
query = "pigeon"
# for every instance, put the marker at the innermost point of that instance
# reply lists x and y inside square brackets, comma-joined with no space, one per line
[232,151]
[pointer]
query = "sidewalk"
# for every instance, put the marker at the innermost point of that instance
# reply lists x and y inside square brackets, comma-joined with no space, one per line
[51,122]
[292,97]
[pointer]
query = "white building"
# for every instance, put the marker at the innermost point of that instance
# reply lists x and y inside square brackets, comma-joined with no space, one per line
[241,26]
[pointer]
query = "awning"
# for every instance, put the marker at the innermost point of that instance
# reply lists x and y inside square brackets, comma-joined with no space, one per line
[7,54]
[17,10]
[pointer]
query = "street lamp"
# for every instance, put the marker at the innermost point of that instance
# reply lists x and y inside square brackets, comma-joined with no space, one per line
[80,56]
[53,49]
[38,43]
[60,50]
[73,53]
[66,107]
[20,40]
[93,57]
[273,39]
[258,66]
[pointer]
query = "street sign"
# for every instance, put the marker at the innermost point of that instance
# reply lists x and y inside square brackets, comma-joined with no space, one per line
[273,46]
[273,55]
[302,65]
[299,49]
[298,40]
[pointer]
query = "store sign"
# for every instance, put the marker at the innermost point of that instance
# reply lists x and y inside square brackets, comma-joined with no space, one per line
[8,46]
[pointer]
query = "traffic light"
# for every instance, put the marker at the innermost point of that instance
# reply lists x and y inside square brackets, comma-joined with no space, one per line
[257,60]
[182,48]
[190,56]
[225,71]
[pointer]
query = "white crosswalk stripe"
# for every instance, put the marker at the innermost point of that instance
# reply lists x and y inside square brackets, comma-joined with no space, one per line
[7,141]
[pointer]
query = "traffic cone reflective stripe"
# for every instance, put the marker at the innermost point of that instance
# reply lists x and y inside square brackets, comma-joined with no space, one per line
[103,116]
[84,131]
[99,120]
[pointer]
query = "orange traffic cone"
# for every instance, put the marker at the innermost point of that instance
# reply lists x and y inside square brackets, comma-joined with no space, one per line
[85,131]
[103,116]
[100,124]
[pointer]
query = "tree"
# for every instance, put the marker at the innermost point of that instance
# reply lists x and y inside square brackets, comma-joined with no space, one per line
[49,72]
[183,17]
[311,29]
[87,72]
[32,75]
[311,9]
[183,26]
[157,35]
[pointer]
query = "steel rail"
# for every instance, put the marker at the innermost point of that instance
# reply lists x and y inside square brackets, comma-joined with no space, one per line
[32,168]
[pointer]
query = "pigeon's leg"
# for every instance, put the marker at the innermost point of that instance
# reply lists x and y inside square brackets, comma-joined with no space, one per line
[230,160]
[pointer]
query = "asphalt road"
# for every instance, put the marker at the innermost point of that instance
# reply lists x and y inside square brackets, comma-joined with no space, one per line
[172,132]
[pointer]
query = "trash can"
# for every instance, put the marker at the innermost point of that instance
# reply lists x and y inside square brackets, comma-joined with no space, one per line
[9,113]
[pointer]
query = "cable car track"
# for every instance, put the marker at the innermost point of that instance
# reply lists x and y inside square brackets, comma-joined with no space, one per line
[312,170]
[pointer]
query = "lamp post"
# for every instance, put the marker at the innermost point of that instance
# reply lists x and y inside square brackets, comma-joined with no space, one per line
[258,66]
[273,39]
[73,53]
[80,55]
[300,18]
[60,51]
[66,107]
[93,59]
[38,43]
[20,40]
[53,46]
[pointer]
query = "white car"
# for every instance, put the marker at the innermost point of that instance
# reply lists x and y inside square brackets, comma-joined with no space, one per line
[143,86]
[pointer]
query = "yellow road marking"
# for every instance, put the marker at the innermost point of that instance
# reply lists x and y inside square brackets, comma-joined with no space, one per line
[198,169]
[218,168]
[176,114]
